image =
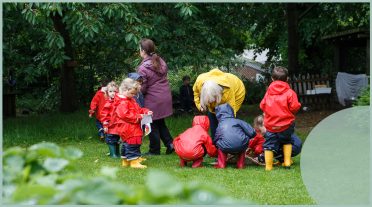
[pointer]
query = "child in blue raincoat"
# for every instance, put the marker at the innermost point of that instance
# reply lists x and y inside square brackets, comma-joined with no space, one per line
[232,136]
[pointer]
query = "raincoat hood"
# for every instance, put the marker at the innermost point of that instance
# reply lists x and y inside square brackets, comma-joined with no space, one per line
[278,87]
[134,76]
[147,63]
[224,111]
[203,121]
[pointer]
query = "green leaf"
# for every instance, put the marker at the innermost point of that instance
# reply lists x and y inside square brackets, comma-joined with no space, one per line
[71,153]
[161,184]
[128,37]
[55,164]
[46,149]
[33,194]
[109,171]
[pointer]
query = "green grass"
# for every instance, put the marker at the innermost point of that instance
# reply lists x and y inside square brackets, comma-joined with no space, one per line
[253,183]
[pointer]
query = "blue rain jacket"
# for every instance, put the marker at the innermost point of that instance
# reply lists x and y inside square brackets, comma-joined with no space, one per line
[139,97]
[232,135]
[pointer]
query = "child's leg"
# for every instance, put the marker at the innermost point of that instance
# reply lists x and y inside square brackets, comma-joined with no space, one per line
[124,161]
[241,161]
[183,162]
[197,163]
[133,152]
[112,142]
[101,133]
[221,160]
[270,146]
[285,139]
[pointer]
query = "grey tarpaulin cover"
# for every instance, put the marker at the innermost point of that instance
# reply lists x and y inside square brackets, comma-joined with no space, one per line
[349,85]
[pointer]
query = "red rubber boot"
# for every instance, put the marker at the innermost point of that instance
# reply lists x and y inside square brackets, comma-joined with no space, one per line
[183,163]
[197,163]
[221,160]
[241,161]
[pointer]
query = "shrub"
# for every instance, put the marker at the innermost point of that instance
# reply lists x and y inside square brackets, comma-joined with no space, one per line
[45,174]
[363,99]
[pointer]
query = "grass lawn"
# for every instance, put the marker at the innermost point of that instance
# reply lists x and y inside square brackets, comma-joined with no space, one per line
[253,183]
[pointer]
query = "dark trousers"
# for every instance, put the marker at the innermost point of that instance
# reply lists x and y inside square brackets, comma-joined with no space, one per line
[112,139]
[131,151]
[99,126]
[273,141]
[159,131]
[213,125]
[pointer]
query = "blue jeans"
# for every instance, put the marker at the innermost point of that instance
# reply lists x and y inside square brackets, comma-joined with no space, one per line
[99,126]
[213,124]
[112,139]
[273,141]
[131,151]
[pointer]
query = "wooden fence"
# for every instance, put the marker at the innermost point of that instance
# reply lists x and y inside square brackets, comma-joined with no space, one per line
[301,84]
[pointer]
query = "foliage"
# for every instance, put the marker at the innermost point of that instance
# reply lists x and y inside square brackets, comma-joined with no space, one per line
[105,36]
[364,97]
[255,91]
[44,174]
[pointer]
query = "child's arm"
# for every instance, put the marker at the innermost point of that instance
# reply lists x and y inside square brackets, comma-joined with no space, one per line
[106,115]
[247,129]
[127,115]
[211,149]
[263,104]
[94,104]
[294,105]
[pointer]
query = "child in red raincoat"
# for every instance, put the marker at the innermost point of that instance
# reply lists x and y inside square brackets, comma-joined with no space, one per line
[96,106]
[126,122]
[255,146]
[193,144]
[112,140]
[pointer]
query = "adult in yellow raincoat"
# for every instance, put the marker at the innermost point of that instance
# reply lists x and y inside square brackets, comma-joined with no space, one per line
[214,88]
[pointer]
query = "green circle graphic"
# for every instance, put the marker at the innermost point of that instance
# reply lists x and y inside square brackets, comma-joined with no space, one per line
[335,159]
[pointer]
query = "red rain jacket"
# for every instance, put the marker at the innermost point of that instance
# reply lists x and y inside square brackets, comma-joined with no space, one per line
[97,103]
[126,120]
[279,104]
[256,144]
[189,144]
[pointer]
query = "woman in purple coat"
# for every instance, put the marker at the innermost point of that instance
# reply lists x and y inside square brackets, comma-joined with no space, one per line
[157,93]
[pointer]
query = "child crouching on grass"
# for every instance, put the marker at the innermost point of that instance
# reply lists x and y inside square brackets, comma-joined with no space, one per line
[127,117]
[232,136]
[111,139]
[193,144]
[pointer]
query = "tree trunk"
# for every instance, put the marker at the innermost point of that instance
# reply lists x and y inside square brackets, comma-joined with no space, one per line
[293,41]
[68,95]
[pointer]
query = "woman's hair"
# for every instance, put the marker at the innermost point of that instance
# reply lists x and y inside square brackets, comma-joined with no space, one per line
[148,46]
[258,121]
[210,92]
[127,85]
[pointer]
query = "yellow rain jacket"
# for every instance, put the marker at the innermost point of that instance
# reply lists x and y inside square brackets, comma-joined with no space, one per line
[233,89]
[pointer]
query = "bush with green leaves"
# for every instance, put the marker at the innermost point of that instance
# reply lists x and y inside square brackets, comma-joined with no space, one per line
[364,97]
[45,173]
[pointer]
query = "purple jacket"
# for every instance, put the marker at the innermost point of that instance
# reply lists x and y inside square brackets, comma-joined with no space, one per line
[155,88]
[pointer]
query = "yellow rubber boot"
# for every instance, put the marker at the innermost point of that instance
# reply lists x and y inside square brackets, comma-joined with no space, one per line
[124,162]
[287,152]
[142,159]
[269,156]
[136,164]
